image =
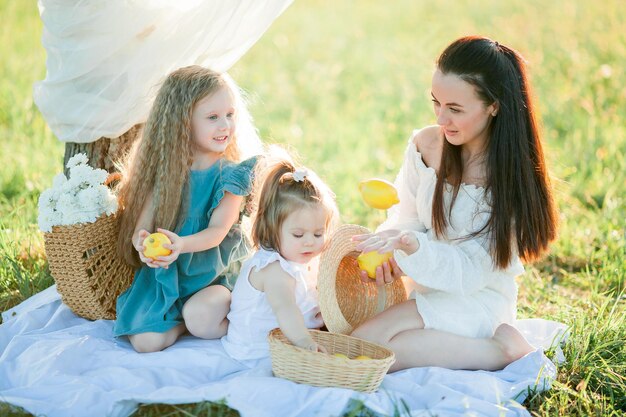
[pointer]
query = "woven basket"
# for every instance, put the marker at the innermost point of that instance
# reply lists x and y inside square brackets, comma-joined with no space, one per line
[325,370]
[346,301]
[88,273]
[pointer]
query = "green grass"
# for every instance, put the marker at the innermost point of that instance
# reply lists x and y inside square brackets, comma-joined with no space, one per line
[350,79]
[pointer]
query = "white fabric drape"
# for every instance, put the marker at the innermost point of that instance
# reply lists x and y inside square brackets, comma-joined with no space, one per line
[106,58]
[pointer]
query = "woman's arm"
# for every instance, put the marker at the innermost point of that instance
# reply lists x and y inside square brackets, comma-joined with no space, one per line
[459,267]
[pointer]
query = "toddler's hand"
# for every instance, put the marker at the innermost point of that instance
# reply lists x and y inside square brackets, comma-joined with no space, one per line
[138,244]
[321,349]
[176,247]
[309,344]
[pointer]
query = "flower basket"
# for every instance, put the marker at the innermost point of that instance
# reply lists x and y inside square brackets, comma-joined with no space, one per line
[325,370]
[84,264]
[78,217]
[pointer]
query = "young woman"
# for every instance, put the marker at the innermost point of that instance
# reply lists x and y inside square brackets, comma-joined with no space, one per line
[474,199]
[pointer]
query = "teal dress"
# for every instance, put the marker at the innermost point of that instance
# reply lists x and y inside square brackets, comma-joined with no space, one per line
[154,301]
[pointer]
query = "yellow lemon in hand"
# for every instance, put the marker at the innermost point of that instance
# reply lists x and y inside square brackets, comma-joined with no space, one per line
[340,355]
[154,245]
[368,261]
[379,194]
[363,358]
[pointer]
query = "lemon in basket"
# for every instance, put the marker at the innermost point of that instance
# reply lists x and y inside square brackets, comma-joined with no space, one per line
[154,245]
[340,355]
[379,194]
[363,358]
[368,261]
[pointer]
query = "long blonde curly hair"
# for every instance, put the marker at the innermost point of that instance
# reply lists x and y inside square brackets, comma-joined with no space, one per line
[159,162]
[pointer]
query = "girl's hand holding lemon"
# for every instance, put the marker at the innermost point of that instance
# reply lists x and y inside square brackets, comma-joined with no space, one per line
[175,247]
[153,245]
[159,250]
[139,247]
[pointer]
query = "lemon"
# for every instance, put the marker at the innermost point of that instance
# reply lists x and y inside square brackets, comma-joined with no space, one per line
[363,358]
[368,261]
[340,355]
[379,194]
[154,245]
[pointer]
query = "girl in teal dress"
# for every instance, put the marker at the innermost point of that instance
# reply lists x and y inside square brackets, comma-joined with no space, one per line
[185,179]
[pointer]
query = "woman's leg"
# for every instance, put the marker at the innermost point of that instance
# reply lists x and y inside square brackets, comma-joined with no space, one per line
[384,326]
[154,342]
[401,329]
[425,347]
[205,312]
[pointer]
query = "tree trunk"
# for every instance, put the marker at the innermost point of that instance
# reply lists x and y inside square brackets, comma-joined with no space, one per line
[104,152]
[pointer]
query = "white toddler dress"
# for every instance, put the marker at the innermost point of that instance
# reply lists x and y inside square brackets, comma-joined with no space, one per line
[460,290]
[251,316]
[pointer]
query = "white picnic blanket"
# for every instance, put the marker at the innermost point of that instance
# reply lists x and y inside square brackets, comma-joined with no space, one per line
[55,363]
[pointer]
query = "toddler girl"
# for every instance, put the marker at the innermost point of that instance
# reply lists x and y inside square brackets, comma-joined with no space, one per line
[277,286]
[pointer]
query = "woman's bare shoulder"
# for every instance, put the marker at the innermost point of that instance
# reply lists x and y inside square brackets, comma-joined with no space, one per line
[428,142]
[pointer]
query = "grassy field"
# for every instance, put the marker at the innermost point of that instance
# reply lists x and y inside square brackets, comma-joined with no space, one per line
[351,79]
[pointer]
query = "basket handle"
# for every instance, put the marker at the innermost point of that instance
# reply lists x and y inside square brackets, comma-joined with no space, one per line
[112,177]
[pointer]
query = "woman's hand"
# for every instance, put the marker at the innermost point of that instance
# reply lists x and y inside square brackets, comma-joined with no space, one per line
[385,274]
[385,242]
[138,244]
[176,247]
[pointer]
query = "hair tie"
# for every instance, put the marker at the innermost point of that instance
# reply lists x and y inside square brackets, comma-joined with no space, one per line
[300,174]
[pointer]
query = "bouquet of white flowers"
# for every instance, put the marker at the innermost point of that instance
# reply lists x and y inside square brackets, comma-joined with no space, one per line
[81,198]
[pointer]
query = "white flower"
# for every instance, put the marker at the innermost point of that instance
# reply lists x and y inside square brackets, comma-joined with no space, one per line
[109,200]
[59,180]
[300,174]
[88,198]
[81,198]
[79,158]
[48,199]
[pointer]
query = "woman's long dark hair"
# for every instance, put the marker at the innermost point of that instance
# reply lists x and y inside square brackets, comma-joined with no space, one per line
[516,174]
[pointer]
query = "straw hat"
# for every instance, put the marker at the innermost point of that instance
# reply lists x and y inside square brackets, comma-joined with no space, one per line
[345,301]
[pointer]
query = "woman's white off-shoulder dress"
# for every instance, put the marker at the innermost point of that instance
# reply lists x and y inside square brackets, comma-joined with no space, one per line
[462,291]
